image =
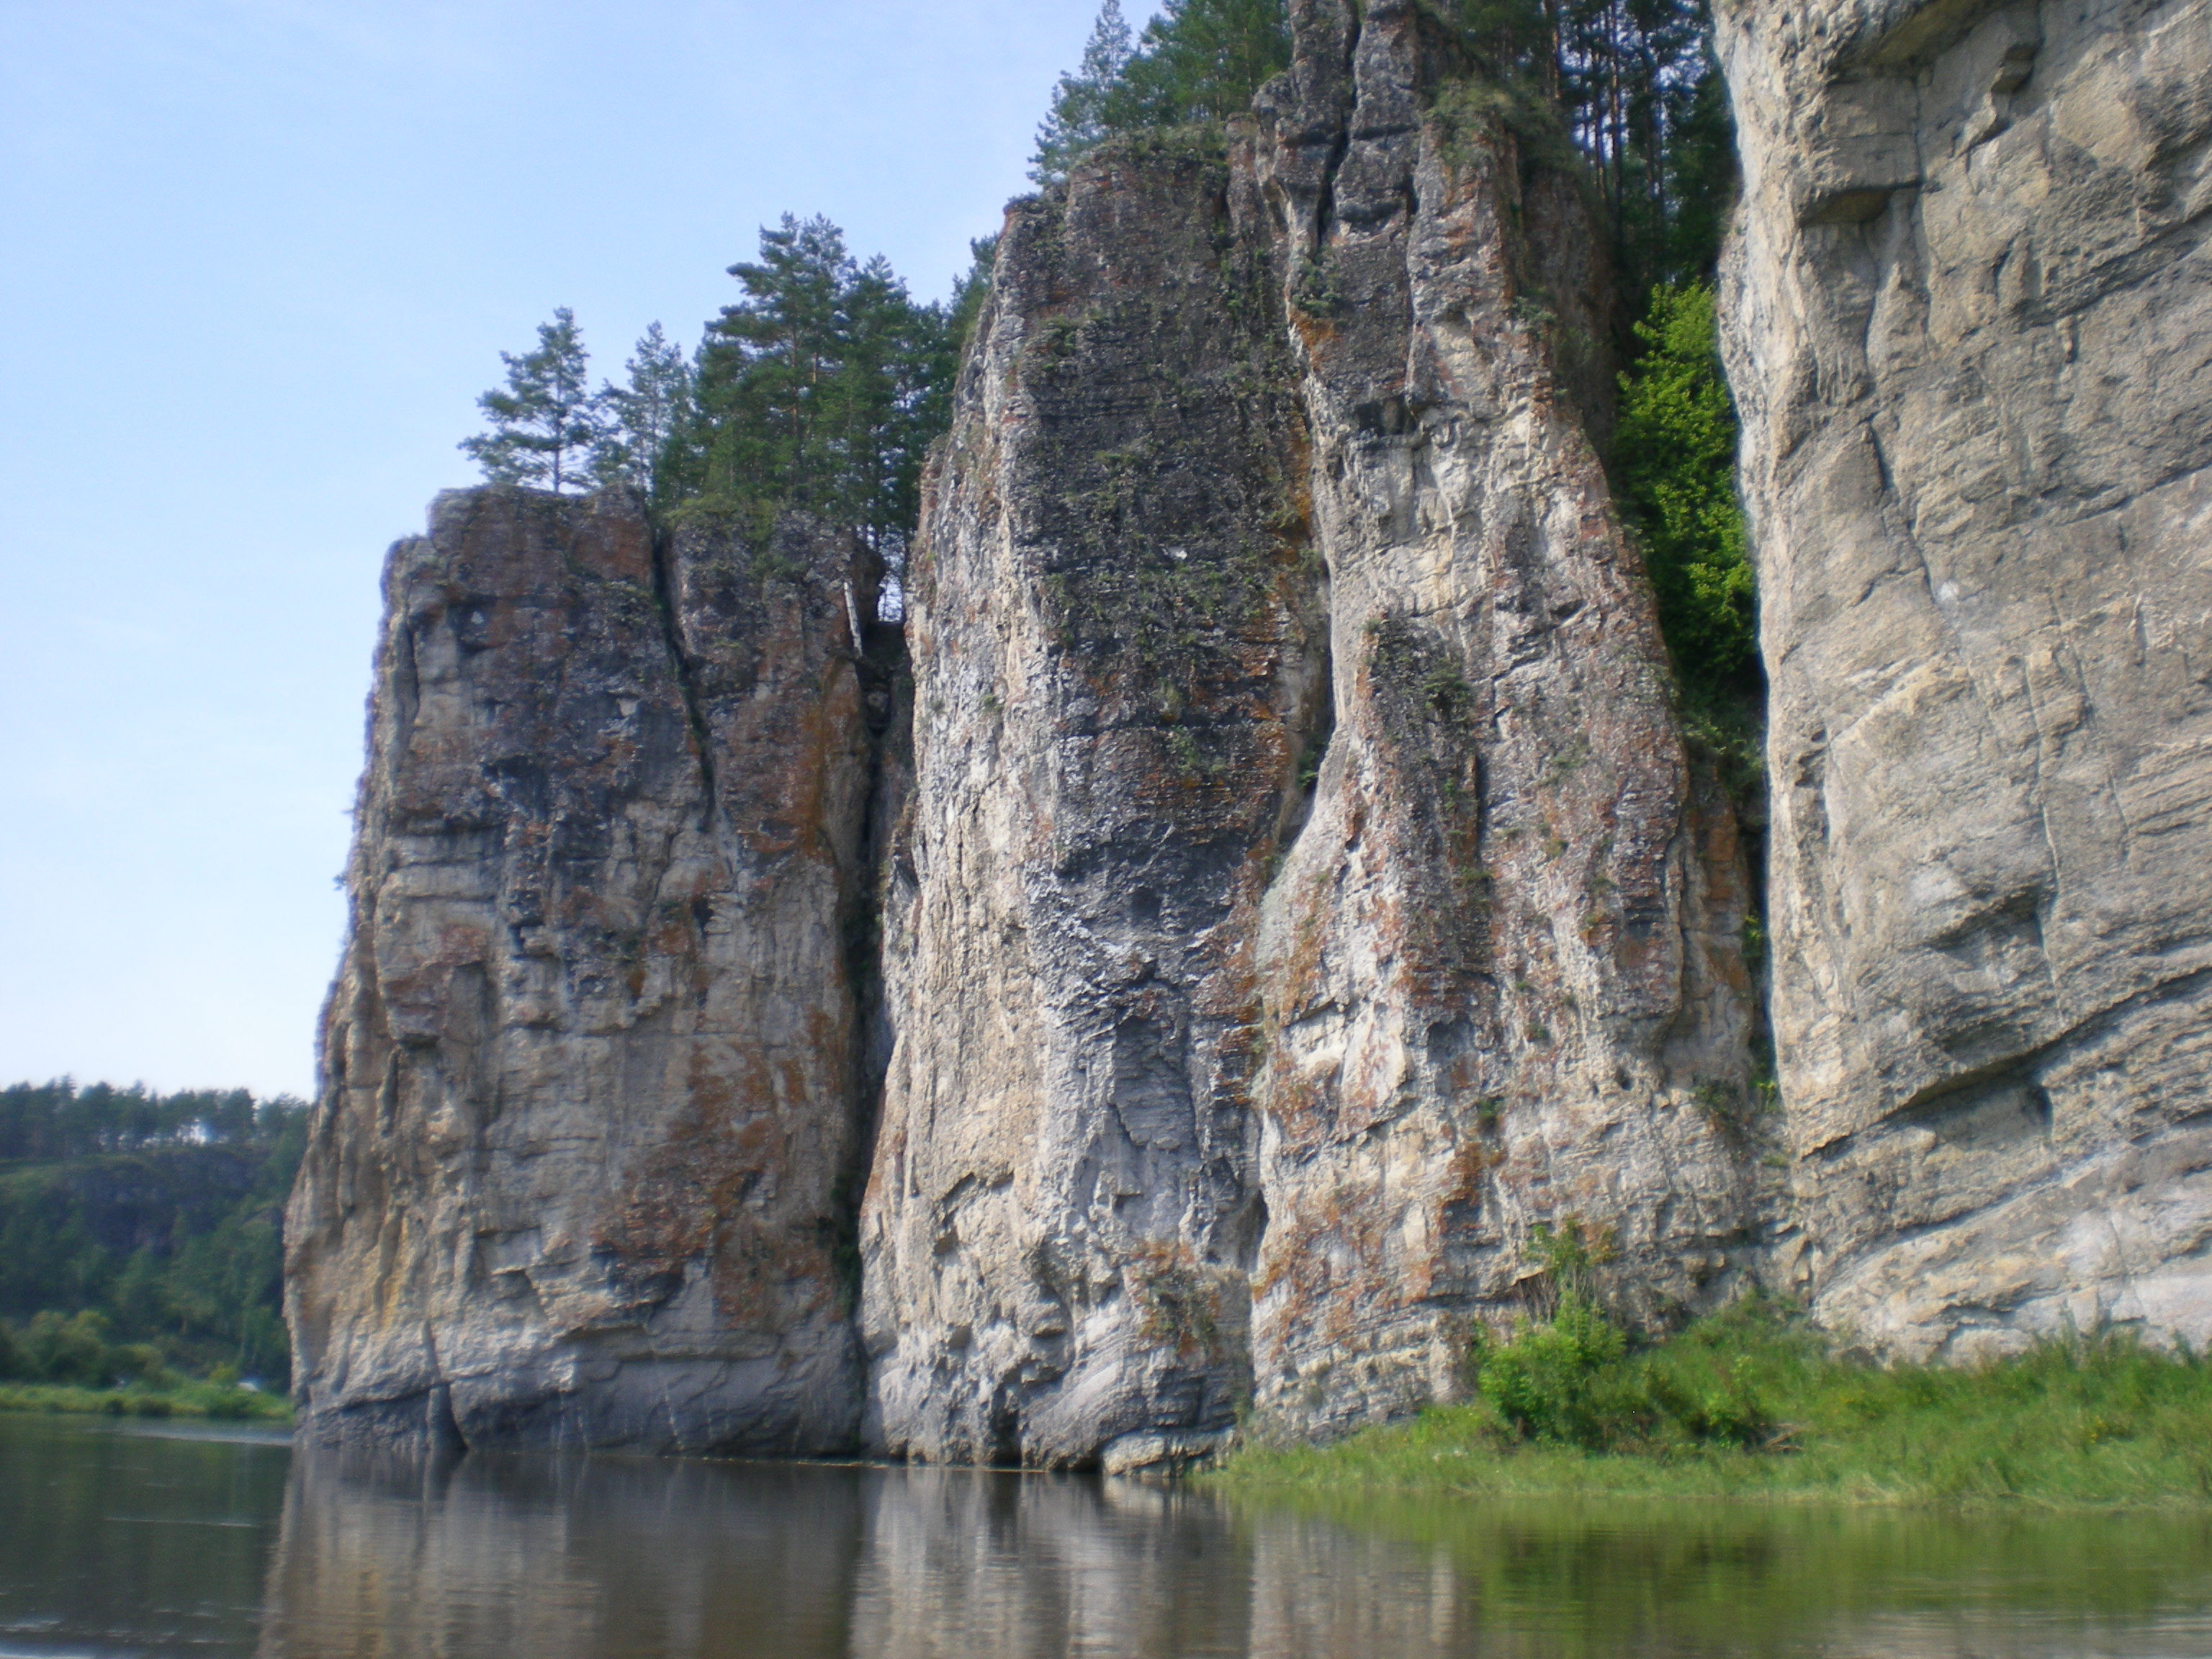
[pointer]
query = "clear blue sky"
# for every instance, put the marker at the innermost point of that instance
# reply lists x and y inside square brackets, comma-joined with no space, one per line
[257,258]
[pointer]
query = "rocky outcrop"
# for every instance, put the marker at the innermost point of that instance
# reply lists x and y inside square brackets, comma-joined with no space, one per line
[1305,893]
[1118,654]
[1503,981]
[1297,897]
[1969,318]
[592,1069]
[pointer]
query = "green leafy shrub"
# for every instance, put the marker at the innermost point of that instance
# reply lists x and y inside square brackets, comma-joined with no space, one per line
[69,1348]
[1755,1400]
[1558,1381]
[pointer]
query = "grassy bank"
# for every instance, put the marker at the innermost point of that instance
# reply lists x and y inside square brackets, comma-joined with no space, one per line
[205,1400]
[1753,1403]
[186,1402]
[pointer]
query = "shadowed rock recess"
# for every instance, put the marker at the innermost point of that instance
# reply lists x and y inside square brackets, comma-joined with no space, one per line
[1279,883]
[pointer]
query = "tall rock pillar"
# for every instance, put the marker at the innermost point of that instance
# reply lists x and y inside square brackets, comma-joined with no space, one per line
[1504,983]
[1306,892]
[1116,628]
[591,1069]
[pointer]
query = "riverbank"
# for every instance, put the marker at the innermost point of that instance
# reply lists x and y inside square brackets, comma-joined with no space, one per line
[218,1400]
[1752,1403]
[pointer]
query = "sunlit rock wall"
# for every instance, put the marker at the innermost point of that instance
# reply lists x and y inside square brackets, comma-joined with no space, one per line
[1503,966]
[1306,890]
[1116,621]
[1969,322]
[591,1069]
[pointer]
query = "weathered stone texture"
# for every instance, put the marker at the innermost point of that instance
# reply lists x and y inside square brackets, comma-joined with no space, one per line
[1503,977]
[1114,620]
[591,1066]
[1969,321]
[1303,893]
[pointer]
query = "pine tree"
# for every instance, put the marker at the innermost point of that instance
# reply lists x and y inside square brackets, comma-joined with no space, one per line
[639,420]
[768,367]
[1200,60]
[1078,121]
[543,425]
[1675,452]
[968,292]
[1640,91]
[823,387]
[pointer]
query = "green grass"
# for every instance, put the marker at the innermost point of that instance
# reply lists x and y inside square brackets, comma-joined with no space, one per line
[208,1400]
[1752,1403]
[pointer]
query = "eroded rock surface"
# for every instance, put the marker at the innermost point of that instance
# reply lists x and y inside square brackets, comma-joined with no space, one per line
[1969,321]
[1504,979]
[1117,638]
[1305,892]
[593,1066]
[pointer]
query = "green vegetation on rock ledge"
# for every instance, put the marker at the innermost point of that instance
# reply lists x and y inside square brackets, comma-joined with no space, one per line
[821,388]
[1629,87]
[1754,1402]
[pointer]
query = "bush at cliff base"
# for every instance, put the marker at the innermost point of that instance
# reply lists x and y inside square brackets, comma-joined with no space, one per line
[1570,1381]
[1755,1401]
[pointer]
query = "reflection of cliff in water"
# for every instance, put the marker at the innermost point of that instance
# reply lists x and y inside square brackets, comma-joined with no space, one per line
[618,1559]
[557,1557]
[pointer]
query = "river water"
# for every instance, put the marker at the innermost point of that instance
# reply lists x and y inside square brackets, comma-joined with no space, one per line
[135,1540]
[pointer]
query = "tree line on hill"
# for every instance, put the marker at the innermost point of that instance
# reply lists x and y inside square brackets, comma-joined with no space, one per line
[823,385]
[141,1233]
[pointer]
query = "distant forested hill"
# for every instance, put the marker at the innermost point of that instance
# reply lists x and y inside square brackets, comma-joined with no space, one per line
[132,1222]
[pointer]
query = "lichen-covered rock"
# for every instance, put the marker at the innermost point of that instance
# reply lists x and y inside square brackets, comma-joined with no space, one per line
[1968,312]
[591,1069]
[1115,622]
[1503,985]
[1304,891]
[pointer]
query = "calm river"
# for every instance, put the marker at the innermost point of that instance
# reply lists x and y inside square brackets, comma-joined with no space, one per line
[115,1539]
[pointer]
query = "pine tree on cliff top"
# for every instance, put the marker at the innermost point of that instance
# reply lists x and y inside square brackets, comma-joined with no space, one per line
[1201,60]
[640,418]
[544,424]
[1078,121]
[769,373]
[822,387]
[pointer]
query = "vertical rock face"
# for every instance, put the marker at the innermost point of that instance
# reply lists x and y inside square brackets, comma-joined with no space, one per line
[592,1065]
[1115,627]
[1969,320]
[1299,892]
[1304,891]
[1503,978]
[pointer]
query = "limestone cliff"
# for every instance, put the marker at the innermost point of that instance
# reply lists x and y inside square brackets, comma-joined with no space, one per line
[1304,891]
[1502,969]
[1969,318]
[592,1070]
[1118,647]
[1297,890]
